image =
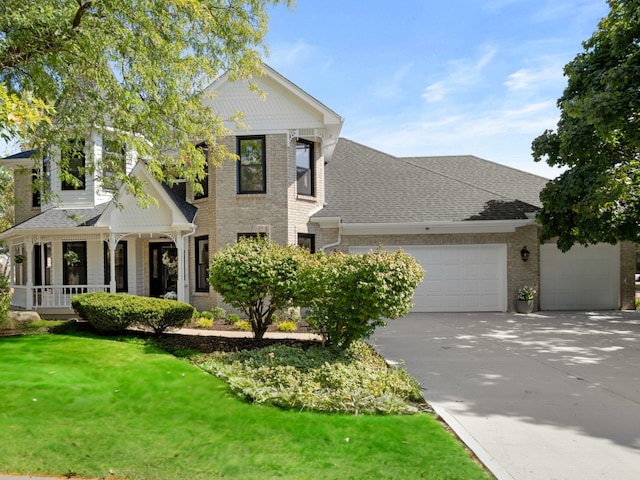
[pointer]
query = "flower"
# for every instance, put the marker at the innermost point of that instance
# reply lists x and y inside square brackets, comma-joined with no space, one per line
[526,293]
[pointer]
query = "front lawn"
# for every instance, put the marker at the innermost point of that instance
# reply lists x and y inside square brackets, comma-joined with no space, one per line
[91,407]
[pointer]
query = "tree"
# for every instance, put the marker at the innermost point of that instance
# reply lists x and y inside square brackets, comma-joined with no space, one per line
[136,69]
[6,199]
[349,296]
[598,137]
[258,277]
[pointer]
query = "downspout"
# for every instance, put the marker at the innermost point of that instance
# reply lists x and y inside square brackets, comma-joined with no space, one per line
[185,254]
[335,244]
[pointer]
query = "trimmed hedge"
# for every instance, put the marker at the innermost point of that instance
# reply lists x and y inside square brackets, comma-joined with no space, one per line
[114,312]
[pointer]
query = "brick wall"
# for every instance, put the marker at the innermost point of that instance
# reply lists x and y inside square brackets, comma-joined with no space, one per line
[23,194]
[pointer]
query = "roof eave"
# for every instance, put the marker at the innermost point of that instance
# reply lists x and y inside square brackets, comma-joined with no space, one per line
[435,228]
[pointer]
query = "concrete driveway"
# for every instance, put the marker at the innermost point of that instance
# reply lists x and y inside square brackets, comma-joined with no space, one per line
[549,395]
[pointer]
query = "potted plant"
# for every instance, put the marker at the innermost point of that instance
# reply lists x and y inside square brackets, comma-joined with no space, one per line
[525,299]
[72,258]
[18,258]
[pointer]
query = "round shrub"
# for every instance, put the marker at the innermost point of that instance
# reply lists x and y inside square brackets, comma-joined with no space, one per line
[206,314]
[106,312]
[114,312]
[287,326]
[242,325]
[204,322]
[218,313]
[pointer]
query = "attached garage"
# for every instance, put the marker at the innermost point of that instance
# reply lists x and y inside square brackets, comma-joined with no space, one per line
[582,278]
[459,278]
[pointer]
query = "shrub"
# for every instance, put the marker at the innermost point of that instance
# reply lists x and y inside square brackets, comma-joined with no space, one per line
[292,314]
[204,322]
[5,300]
[243,325]
[232,319]
[218,313]
[258,277]
[350,295]
[287,326]
[106,312]
[207,315]
[114,312]
[356,380]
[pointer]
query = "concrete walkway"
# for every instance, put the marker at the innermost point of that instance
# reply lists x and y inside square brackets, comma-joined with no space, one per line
[552,396]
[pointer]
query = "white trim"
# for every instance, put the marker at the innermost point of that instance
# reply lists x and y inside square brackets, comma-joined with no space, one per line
[470,226]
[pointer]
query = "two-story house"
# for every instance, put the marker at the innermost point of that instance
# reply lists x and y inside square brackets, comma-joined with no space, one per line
[469,221]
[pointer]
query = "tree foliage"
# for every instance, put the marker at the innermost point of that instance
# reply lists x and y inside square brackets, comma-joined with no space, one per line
[349,296]
[258,277]
[136,69]
[6,199]
[598,137]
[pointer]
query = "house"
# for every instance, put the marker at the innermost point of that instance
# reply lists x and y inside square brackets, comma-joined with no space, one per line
[469,221]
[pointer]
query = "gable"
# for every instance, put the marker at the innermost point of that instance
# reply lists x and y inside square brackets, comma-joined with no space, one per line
[164,215]
[284,106]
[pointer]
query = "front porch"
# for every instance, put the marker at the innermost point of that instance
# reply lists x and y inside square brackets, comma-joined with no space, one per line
[47,271]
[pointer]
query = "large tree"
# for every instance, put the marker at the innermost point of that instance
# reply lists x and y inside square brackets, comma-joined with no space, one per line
[136,68]
[597,199]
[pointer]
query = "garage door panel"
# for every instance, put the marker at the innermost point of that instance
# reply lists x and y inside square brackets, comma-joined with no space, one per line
[458,277]
[582,278]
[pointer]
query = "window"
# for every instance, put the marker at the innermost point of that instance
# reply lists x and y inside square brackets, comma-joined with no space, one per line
[73,159]
[204,183]
[35,188]
[304,167]
[252,176]
[308,241]
[202,264]
[114,161]
[74,263]
[122,284]
[40,183]
[42,264]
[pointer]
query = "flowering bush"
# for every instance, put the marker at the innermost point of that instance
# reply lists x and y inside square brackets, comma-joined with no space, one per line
[526,293]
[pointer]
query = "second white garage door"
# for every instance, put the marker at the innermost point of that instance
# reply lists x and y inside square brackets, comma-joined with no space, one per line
[459,278]
[582,278]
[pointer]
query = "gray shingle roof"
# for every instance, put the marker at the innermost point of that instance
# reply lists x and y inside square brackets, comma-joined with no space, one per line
[364,185]
[24,154]
[63,218]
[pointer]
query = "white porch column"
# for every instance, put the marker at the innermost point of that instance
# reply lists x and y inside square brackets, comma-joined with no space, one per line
[30,263]
[113,242]
[181,267]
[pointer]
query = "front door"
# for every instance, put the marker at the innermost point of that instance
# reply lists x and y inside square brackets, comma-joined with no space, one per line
[163,263]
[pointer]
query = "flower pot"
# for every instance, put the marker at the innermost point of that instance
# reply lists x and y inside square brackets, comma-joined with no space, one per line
[524,306]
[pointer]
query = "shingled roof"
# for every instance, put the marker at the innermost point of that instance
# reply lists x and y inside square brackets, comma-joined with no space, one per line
[364,185]
[63,218]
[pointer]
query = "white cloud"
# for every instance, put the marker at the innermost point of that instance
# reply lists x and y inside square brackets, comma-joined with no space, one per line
[288,54]
[392,87]
[550,73]
[463,72]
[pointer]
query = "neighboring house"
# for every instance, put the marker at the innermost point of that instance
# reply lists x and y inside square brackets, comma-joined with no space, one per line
[466,219]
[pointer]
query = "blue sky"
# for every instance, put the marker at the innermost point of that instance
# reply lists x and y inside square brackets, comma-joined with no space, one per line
[452,77]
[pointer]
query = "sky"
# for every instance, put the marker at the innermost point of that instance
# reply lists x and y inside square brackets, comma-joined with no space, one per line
[434,77]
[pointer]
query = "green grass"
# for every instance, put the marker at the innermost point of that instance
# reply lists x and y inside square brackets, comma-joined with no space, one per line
[94,406]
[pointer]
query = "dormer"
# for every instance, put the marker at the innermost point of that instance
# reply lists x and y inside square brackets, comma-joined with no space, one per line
[92,163]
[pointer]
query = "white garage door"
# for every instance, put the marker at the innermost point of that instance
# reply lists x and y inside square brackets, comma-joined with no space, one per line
[584,278]
[460,278]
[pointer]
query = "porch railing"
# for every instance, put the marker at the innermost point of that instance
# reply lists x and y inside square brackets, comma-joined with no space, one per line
[51,296]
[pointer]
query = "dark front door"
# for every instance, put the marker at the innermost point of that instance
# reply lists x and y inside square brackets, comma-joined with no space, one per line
[163,263]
